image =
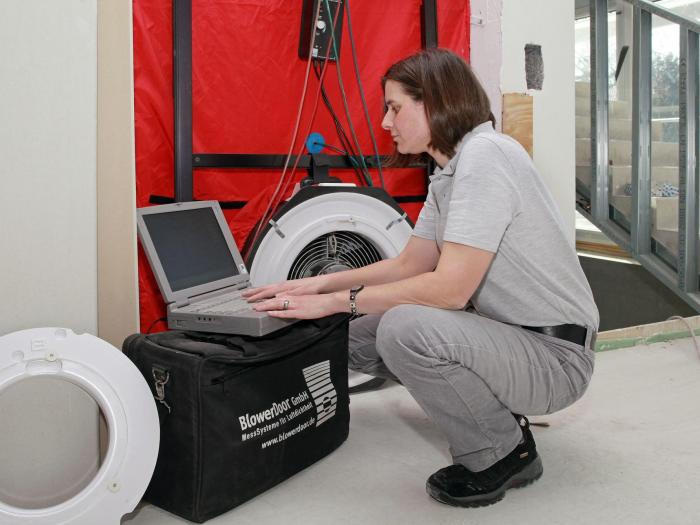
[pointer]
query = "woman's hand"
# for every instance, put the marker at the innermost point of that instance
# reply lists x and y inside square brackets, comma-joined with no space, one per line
[302,306]
[305,286]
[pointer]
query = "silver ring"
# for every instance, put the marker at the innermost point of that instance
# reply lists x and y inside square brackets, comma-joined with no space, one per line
[285,304]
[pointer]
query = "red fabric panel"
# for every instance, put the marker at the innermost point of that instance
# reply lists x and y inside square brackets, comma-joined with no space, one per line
[247,81]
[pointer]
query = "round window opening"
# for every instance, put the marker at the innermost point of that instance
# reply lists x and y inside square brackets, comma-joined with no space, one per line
[53,439]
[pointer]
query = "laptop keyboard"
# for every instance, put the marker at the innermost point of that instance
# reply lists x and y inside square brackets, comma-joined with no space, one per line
[224,305]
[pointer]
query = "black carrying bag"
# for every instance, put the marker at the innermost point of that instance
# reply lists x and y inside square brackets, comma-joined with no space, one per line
[241,414]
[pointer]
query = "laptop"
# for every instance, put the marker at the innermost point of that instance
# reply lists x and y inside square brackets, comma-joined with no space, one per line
[199,270]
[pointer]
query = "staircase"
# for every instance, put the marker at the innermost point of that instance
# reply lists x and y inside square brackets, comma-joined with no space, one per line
[664,166]
[647,202]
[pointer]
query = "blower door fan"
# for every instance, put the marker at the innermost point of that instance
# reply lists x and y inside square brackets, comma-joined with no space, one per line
[333,252]
[328,229]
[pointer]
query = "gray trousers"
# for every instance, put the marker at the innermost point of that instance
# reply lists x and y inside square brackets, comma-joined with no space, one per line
[470,373]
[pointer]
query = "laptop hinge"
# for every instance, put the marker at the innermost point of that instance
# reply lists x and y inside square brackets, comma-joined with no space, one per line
[180,304]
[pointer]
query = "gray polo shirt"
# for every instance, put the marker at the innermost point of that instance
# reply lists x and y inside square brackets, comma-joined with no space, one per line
[491,197]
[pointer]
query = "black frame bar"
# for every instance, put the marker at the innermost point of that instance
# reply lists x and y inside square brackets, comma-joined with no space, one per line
[258,161]
[429,26]
[185,160]
[182,91]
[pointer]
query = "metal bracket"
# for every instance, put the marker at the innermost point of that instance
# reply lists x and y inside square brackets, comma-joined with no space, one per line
[396,221]
[160,379]
[277,229]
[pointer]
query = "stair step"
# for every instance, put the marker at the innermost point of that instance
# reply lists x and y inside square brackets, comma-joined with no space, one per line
[664,211]
[622,175]
[664,112]
[623,109]
[616,108]
[620,152]
[583,89]
[668,239]
[619,129]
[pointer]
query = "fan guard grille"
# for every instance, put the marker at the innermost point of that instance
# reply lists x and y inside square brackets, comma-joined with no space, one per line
[333,252]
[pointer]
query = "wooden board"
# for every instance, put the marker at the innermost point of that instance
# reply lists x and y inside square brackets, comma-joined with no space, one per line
[602,249]
[517,118]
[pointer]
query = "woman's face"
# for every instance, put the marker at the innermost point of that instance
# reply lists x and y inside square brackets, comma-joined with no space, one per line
[405,119]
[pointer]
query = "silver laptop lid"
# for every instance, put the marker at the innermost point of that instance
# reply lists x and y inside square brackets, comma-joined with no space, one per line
[190,248]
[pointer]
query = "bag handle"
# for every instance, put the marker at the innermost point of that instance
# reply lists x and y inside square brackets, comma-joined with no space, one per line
[232,341]
[251,347]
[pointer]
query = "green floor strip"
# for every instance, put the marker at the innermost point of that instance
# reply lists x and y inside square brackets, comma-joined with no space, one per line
[615,344]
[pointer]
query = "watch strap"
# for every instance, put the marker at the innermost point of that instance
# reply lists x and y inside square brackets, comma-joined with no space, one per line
[353,298]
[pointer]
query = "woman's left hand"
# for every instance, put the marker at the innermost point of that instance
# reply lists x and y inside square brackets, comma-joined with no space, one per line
[300,306]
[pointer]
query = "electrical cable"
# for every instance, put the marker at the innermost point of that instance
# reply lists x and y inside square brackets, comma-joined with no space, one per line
[341,85]
[153,324]
[342,136]
[362,93]
[690,329]
[662,335]
[326,61]
[338,150]
[308,130]
[355,165]
[296,127]
[272,206]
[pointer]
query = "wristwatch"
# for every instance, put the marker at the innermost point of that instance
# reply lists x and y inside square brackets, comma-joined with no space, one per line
[353,294]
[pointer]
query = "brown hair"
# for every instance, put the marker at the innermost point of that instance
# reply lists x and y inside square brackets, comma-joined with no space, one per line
[454,100]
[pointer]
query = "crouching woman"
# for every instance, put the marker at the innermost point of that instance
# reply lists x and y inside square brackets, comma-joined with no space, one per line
[486,314]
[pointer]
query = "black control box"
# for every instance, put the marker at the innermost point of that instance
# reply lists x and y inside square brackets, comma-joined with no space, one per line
[323,43]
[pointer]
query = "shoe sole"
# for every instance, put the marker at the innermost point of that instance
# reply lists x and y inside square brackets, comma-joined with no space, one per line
[372,384]
[528,475]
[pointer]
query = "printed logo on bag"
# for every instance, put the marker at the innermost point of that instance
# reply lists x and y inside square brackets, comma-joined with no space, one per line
[318,379]
[285,418]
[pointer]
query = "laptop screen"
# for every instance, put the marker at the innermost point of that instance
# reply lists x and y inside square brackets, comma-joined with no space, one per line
[191,247]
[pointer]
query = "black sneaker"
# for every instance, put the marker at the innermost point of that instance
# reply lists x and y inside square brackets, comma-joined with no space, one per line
[458,486]
[359,382]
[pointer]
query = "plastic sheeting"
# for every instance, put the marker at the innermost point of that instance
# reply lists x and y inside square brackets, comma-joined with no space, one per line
[247,83]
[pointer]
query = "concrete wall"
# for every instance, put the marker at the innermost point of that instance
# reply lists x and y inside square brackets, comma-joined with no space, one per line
[549,23]
[67,203]
[48,135]
[487,49]
[48,268]
[500,30]
[67,222]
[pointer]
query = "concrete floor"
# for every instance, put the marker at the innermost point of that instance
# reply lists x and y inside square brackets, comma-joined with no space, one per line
[627,453]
